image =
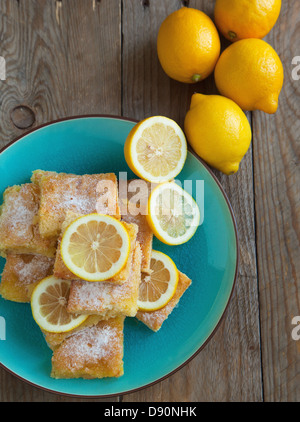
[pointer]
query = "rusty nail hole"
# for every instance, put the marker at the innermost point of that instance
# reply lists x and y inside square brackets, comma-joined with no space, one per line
[22,117]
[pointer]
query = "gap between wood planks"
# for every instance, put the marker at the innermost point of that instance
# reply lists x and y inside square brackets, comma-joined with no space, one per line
[256,262]
[146,3]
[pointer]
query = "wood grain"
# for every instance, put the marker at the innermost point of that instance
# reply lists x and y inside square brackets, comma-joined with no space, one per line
[33,79]
[86,56]
[63,58]
[277,204]
[229,367]
[61,61]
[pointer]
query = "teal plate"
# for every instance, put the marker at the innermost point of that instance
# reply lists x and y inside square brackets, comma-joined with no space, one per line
[94,144]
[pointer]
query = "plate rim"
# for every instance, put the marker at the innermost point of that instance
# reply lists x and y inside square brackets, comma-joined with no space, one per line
[73,395]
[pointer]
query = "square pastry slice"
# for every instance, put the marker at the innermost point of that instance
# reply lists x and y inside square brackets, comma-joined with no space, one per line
[21,274]
[108,299]
[54,340]
[61,271]
[93,352]
[155,319]
[61,192]
[134,196]
[19,231]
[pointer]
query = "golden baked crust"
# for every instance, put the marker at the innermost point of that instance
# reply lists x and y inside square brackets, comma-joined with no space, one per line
[61,192]
[93,352]
[135,213]
[155,319]
[21,274]
[107,299]
[19,231]
[61,271]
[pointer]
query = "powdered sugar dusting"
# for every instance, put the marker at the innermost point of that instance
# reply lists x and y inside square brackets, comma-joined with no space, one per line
[157,317]
[80,202]
[30,268]
[62,192]
[22,216]
[20,210]
[100,296]
[90,346]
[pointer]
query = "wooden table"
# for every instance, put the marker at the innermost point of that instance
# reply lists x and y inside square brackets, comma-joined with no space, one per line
[74,57]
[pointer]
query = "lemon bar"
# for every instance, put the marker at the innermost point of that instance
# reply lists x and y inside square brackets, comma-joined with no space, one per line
[136,214]
[93,352]
[85,194]
[155,319]
[61,271]
[21,274]
[19,231]
[107,299]
[54,340]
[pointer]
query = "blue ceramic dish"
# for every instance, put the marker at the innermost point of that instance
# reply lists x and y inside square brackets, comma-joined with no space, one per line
[94,144]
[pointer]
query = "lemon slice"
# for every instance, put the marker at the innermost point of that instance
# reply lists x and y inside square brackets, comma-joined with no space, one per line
[158,288]
[173,215]
[95,247]
[49,306]
[156,149]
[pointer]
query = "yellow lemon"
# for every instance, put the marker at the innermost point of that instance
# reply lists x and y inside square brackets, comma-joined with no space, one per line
[250,73]
[218,131]
[239,19]
[188,45]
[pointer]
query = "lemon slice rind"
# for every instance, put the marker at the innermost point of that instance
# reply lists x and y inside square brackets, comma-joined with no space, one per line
[40,319]
[154,220]
[166,297]
[131,153]
[96,276]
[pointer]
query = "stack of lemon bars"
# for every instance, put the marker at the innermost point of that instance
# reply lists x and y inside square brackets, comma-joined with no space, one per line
[34,218]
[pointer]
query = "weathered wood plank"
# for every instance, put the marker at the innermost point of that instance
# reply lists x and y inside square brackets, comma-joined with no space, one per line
[93,45]
[63,58]
[229,368]
[277,194]
[14,390]
[66,60]
[146,88]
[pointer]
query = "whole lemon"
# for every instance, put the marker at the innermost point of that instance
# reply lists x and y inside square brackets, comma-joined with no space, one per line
[218,131]
[188,45]
[240,19]
[250,73]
